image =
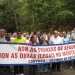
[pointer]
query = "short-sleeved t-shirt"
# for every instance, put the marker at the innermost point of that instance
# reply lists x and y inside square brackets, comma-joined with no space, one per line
[17,40]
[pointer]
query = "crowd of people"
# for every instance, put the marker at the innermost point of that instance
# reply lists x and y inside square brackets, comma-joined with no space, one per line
[36,38]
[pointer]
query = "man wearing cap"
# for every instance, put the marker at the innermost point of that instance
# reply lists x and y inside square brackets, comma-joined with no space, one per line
[55,39]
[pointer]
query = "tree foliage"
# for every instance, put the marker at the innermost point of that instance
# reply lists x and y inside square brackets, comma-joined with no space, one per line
[32,15]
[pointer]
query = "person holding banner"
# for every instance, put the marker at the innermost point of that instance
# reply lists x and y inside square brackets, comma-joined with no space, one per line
[65,38]
[0,32]
[33,68]
[18,40]
[43,67]
[4,38]
[72,39]
[55,39]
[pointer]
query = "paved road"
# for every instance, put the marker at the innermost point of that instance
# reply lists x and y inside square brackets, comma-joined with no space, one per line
[65,70]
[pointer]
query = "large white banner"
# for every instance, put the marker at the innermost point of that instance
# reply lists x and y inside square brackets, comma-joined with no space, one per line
[27,54]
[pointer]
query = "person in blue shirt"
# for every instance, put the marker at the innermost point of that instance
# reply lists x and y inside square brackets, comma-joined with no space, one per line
[65,38]
[69,34]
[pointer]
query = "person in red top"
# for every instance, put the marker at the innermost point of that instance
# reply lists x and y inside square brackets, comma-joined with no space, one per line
[33,68]
[33,40]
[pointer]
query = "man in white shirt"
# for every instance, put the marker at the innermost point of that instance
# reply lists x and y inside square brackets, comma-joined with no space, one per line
[72,39]
[2,35]
[0,32]
[55,39]
[4,69]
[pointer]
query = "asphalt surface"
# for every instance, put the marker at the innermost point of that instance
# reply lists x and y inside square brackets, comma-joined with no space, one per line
[65,70]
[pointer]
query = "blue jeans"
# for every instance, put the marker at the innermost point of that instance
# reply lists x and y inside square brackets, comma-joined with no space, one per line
[43,68]
[72,63]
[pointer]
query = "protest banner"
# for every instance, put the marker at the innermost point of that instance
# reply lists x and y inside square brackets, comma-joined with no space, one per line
[28,54]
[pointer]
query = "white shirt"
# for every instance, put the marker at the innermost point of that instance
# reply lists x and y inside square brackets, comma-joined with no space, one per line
[55,40]
[3,39]
[11,39]
[27,41]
